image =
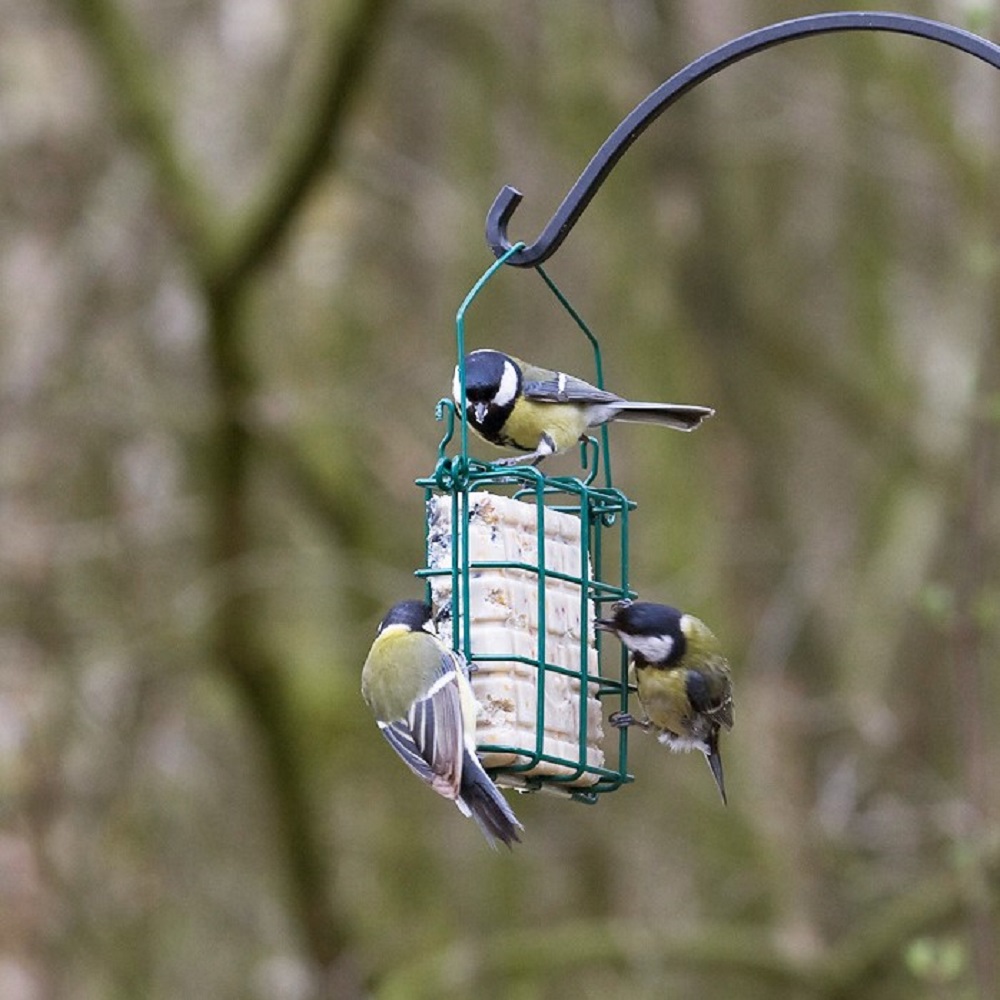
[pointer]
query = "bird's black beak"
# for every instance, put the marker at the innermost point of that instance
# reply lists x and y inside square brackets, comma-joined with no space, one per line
[604,625]
[479,411]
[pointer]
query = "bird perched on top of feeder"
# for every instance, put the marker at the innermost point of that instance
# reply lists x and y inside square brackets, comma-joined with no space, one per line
[682,677]
[513,404]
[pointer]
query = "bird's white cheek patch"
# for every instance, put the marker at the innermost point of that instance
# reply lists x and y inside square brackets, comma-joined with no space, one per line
[654,648]
[508,385]
[456,388]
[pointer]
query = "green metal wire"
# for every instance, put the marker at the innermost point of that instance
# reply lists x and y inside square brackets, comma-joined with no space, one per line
[605,451]
[460,335]
[602,511]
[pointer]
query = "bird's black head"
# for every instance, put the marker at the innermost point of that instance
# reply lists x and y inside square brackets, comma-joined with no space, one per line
[651,631]
[413,614]
[492,383]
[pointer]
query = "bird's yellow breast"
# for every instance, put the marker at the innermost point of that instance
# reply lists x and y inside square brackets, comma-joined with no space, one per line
[529,421]
[663,695]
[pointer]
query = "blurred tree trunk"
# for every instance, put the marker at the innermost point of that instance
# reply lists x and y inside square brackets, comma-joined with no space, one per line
[223,255]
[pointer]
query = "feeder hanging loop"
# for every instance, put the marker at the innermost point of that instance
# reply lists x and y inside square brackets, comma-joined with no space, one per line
[645,113]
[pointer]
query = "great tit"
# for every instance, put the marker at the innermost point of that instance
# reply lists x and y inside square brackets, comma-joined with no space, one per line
[682,677]
[422,700]
[513,404]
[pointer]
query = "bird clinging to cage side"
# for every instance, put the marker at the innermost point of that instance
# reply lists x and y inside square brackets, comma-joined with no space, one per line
[682,676]
[422,700]
[513,404]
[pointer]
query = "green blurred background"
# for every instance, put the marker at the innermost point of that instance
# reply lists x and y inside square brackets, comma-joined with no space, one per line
[233,237]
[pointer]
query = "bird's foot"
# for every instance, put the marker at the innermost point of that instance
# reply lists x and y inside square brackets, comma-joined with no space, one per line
[546,447]
[622,720]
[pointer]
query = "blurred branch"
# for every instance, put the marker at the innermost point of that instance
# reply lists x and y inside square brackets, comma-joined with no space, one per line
[254,671]
[226,250]
[310,143]
[223,254]
[135,87]
[842,972]
[240,652]
[337,515]
[337,510]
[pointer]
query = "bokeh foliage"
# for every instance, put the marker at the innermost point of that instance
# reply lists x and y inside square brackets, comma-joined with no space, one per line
[235,233]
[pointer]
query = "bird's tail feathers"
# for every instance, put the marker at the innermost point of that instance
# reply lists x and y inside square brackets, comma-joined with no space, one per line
[481,798]
[680,416]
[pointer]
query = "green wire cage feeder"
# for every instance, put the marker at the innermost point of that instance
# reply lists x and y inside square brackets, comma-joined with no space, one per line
[517,567]
[518,563]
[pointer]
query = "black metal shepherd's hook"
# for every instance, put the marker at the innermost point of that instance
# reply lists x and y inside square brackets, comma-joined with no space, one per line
[645,113]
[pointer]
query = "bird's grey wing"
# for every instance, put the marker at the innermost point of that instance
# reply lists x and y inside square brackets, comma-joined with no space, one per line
[724,711]
[430,740]
[556,387]
[711,693]
[400,738]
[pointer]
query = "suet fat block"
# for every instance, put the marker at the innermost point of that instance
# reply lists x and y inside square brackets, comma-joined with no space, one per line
[504,619]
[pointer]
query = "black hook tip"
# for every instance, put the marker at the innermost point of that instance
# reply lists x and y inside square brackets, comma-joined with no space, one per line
[503,207]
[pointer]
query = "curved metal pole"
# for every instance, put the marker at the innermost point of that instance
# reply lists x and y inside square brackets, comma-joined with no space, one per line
[645,113]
